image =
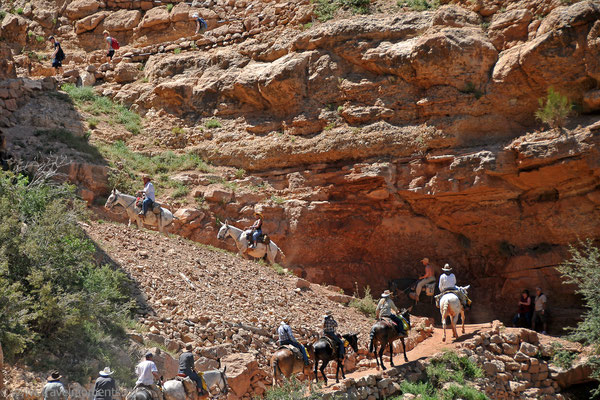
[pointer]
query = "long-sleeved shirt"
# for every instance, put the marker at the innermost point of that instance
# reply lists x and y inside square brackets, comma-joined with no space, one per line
[329,325]
[446,282]
[385,307]
[54,390]
[104,388]
[144,371]
[149,190]
[285,333]
[186,362]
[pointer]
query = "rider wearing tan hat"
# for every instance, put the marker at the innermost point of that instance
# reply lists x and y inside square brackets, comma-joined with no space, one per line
[427,278]
[385,307]
[54,389]
[255,230]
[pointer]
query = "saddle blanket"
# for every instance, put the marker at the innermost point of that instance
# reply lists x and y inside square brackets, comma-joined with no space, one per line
[293,349]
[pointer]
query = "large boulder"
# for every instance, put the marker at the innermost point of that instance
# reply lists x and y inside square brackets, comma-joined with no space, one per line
[126,72]
[155,16]
[122,20]
[508,28]
[241,367]
[13,30]
[456,16]
[81,8]
[7,65]
[90,23]
[166,364]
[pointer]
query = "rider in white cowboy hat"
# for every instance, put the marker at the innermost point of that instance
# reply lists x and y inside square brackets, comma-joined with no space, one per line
[448,284]
[384,309]
[286,337]
[105,386]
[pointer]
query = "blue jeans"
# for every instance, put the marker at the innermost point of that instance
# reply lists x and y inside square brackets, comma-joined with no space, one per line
[339,342]
[298,346]
[146,204]
[255,235]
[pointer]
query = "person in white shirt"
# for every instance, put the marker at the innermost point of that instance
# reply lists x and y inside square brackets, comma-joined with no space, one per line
[147,372]
[448,284]
[149,195]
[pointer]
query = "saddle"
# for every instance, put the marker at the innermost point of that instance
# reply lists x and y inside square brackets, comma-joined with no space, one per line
[190,387]
[155,205]
[389,322]
[263,238]
[334,345]
[294,350]
[142,388]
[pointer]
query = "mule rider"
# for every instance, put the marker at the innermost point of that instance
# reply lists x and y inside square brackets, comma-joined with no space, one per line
[426,279]
[329,325]
[186,367]
[255,230]
[148,195]
[54,389]
[448,285]
[147,372]
[384,309]
[286,337]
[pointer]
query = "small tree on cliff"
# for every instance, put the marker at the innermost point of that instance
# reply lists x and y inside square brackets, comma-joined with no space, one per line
[554,109]
[583,271]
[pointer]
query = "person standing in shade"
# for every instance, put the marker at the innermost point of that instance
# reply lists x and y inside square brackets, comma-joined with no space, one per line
[539,312]
[105,387]
[54,389]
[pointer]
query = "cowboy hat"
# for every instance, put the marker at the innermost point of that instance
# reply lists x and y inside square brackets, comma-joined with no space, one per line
[189,347]
[54,376]
[327,314]
[386,293]
[258,213]
[106,372]
[195,15]
[425,260]
[145,176]
[447,267]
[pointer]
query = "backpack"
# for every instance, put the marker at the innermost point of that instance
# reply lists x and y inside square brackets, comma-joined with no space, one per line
[60,54]
[114,44]
[203,24]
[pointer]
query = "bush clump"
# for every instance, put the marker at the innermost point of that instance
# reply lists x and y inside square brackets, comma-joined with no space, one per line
[554,109]
[59,308]
[366,305]
[293,389]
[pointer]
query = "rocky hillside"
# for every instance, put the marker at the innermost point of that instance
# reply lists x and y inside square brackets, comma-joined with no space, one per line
[368,142]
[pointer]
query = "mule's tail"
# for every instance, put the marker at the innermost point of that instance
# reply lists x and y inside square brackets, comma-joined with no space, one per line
[276,369]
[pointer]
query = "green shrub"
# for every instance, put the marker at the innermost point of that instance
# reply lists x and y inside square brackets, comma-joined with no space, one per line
[452,368]
[562,357]
[212,124]
[240,173]
[554,109]
[455,392]
[366,304]
[180,191]
[419,5]
[40,39]
[2,14]
[19,11]
[177,50]
[293,389]
[177,130]
[169,7]
[93,122]
[423,389]
[471,88]
[277,199]
[325,9]
[58,307]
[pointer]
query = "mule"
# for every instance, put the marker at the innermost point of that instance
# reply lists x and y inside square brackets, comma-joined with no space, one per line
[451,307]
[174,389]
[325,353]
[285,363]
[140,393]
[161,220]
[382,334]
[268,252]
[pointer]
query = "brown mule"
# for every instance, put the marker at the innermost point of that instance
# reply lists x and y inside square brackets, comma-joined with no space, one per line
[383,334]
[285,363]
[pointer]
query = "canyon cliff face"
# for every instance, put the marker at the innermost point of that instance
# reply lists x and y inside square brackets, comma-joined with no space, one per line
[370,142]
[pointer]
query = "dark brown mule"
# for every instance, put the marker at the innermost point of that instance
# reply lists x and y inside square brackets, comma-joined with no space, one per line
[383,334]
[285,363]
[325,353]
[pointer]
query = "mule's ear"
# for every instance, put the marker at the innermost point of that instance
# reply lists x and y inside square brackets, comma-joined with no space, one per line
[467,287]
[225,369]
[409,309]
[227,222]
[114,190]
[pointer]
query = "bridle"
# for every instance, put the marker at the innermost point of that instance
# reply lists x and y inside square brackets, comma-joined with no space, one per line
[224,380]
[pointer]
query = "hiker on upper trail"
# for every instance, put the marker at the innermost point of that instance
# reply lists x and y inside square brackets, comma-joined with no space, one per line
[428,277]
[54,389]
[255,230]
[58,55]
[148,192]
[186,367]
[147,372]
[329,325]
[105,386]
[201,24]
[384,309]
[286,337]
[448,284]
[112,45]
